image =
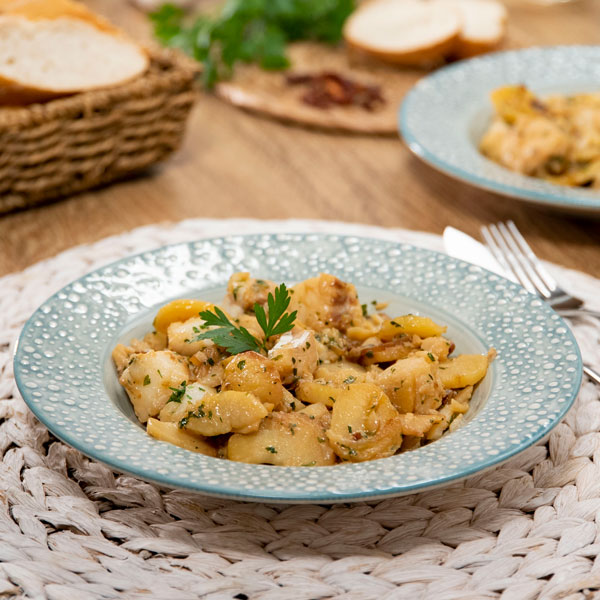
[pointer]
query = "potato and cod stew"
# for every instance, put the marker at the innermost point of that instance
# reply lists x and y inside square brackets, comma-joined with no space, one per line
[305,376]
[556,138]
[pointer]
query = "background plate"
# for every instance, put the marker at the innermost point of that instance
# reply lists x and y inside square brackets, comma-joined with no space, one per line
[445,115]
[63,369]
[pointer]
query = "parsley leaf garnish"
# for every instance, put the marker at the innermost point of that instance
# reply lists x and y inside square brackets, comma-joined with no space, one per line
[178,393]
[238,339]
[277,322]
[251,32]
[234,339]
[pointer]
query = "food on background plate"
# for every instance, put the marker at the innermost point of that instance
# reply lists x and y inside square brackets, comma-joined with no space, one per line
[556,138]
[425,32]
[306,376]
[53,48]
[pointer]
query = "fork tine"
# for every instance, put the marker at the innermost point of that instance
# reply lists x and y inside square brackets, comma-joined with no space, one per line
[495,250]
[548,280]
[505,256]
[526,264]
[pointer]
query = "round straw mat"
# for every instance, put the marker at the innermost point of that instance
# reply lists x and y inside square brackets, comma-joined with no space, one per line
[71,529]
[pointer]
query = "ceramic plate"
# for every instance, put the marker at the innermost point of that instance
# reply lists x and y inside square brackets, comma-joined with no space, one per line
[445,115]
[64,371]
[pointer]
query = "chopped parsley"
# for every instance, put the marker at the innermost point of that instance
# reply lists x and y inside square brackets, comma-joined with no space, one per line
[192,414]
[178,393]
[364,310]
[271,449]
[241,365]
[350,379]
[349,429]
[431,357]
[147,380]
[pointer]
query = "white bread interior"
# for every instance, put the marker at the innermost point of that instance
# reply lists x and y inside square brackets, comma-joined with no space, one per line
[407,32]
[483,26]
[64,55]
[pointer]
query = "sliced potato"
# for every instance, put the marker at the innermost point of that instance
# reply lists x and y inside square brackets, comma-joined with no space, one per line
[413,384]
[285,439]
[464,370]
[316,392]
[181,336]
[418,425]
[386,352]
[252,372]
[211,414]
[179,310]
[318,412]
[184,399]
[148,380]
[364,424]
[438,346]
[326,301]
[170,432]
[245,291]
[341,373]
[410,325]
[290,403]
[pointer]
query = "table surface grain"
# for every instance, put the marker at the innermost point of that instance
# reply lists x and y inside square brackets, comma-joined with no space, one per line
[234,164]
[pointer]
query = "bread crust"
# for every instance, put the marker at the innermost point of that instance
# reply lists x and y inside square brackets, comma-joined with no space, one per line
[427,53]
[421,57]
[16,92]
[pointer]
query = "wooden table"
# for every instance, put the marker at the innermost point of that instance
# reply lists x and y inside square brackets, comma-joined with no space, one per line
[234,164]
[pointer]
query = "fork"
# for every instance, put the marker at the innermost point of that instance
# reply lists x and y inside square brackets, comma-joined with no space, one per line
[515,255]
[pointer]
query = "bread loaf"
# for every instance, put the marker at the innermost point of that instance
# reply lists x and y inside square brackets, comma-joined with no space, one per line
[404,32]
[51,48]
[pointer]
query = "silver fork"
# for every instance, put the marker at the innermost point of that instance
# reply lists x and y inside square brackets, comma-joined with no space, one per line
[516,256]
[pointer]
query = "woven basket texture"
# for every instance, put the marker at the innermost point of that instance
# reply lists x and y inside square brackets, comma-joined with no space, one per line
[71,144]
[71,529]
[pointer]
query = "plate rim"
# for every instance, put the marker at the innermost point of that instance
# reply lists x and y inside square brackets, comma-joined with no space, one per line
[218,490]
[550,199]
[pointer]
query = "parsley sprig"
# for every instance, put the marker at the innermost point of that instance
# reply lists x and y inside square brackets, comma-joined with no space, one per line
[227,335]
[278,320]
[252,31]
[238,339]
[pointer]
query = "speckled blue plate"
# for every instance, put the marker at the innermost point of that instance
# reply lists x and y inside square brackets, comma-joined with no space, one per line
[64,372]
[445,115]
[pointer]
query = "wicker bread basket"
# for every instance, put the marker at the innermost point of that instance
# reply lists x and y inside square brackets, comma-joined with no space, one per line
[72,144]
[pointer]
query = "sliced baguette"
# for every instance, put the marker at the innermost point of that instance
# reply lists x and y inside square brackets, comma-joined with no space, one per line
[41,59]
[36,10]
[404,32]
[483,26]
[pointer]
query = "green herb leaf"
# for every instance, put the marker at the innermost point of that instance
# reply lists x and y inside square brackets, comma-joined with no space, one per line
[278,321]
[234,339]
[252,31]
[178,393]
[147,380]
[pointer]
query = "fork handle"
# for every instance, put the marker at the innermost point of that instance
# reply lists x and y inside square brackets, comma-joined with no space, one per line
[592,374]
[573,313]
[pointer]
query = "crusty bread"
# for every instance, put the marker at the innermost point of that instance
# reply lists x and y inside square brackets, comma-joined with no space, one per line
[404,32]
[483,26]
[51,48]
[36,10]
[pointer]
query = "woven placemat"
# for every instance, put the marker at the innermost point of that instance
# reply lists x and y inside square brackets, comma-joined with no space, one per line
[71,529]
